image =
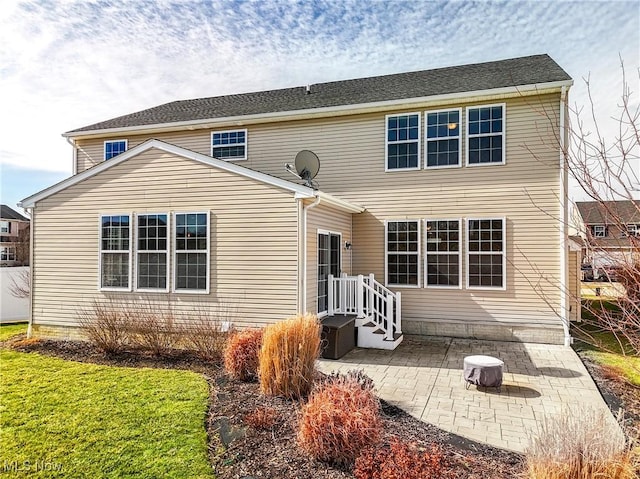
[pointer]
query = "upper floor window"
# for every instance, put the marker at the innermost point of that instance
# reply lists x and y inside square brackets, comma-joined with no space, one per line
[633,229]
[486,253]
[114,148]
[599,231]
[402,142]
[115,252]
[485,135]
[442,255]
[403,252]
[191,252]
[5,227]
[153,252]
[443,138]
[229,145]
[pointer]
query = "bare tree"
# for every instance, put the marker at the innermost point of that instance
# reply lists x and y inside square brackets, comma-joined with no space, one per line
[20,286]
[23,246]
[609,172]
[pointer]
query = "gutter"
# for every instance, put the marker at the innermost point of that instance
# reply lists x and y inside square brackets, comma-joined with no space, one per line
[31,212]
[330,111]
[74,165]
[564,192]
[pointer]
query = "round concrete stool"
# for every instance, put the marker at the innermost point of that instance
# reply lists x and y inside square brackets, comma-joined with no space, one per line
[485,371]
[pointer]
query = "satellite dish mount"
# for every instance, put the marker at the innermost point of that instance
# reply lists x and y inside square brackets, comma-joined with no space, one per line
[306,167]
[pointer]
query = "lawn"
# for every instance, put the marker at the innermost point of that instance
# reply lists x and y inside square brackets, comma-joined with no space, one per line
[8,330]
[603,348]
[78,420]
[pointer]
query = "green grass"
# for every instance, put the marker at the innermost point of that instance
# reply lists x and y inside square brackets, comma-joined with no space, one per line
[8,330]
[85,420]
[603,347]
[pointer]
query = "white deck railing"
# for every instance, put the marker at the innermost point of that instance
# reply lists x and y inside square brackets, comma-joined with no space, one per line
[368,300]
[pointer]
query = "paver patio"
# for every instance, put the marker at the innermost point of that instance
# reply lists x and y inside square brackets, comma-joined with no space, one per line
[423,376]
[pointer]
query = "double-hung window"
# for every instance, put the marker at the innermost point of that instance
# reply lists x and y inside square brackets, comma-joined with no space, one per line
[403,252]
[486,135]
[191,263]
[115,252]
[7,253]
[442,253]
[599,231]
[402,142]
[113,148]
[486,253]
[442,138]
[152,252]
[633,229]
[5,227]
[229,145]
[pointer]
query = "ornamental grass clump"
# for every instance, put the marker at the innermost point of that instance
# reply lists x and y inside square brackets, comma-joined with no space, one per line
[586,446]
[241,354]
[341,419]
[288,355]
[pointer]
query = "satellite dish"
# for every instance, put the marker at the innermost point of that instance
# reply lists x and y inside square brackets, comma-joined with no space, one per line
[306,167]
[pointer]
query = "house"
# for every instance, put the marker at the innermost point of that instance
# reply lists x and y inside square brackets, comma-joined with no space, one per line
[439,207]
[610,230]
[14,237]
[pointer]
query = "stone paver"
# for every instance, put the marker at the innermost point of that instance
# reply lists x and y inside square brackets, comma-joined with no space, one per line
[423,376]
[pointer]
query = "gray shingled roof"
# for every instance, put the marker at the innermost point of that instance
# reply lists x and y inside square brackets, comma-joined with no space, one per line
[8,213]
[480,76]
[609,212]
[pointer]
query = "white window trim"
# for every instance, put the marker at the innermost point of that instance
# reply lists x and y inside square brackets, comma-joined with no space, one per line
[104,147]
[386,254]
[4,229]
[468,136]
[426,254]
[245,144]
[633,229]
[604,231]
[459,137]
[175,263]
[504,253]
[387,142]
[138,251]
[100,251]
[318,233]
[8,251]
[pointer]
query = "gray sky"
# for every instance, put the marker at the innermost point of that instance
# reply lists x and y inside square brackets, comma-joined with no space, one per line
[66,64]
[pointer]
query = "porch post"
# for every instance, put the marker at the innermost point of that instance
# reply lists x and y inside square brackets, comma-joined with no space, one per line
[360,296]
[330,310]
[398,320]
[389,320]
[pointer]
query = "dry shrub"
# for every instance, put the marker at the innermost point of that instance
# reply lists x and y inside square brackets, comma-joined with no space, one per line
[105,325]
[206,329]
[401,460]
[261,418]
[341,418]
[152,330]
[241,354]
[580,446]
[288,355]
[21,341]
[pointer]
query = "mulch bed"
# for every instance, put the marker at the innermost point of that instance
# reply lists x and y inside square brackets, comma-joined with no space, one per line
[238,450]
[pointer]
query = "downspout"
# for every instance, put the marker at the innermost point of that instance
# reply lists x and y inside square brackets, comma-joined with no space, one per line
[305,209]
[31,212]
[74,166]
[564,273]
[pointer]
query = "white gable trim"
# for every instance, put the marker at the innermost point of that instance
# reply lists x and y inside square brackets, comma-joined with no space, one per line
[299,191]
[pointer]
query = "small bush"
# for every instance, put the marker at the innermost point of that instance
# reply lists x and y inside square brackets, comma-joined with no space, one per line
[153,330]
[400,460]
[105,325]
[341,418]
[585,446]
[206,333]
[288,355]
[261,418]
[241,354]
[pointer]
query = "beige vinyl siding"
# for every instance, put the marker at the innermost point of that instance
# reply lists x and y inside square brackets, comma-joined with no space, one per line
[525,191]
[253,238]
[329,219]
[573,296]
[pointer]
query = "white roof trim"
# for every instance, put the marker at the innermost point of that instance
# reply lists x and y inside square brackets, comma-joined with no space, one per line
[298,190]
[338,110]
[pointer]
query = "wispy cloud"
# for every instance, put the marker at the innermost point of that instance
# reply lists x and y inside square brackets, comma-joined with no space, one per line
[65,64]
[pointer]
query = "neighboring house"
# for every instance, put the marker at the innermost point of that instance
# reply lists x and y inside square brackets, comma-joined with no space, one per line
[440,202]
[14,237]
[610,229]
